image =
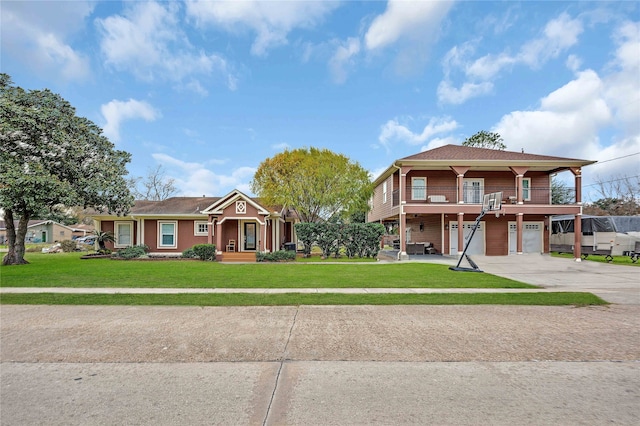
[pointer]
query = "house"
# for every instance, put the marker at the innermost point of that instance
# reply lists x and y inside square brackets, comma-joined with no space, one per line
[238,225]
[428,197]
[47,231]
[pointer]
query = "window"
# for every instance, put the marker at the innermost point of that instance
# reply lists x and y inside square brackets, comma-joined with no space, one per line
[384,192]
[200,227]
[167,234]
[124,234]
[473,191]
[419,188]
[526,189]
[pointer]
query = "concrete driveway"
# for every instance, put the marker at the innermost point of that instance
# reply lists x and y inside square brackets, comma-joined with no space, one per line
[614,283]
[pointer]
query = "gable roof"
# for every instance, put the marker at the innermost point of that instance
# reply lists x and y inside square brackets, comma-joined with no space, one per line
[219,205]
[442,158]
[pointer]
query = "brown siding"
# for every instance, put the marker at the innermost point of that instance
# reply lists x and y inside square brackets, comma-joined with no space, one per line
[496,235]
[186,239]
[151,234]
[108,226]
[381,210]
[430,233]
[230,232]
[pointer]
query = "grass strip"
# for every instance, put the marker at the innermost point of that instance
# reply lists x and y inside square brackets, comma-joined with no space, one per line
[295,299]
[617,260]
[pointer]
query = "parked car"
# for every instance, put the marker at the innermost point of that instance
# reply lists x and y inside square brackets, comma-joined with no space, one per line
[85,243]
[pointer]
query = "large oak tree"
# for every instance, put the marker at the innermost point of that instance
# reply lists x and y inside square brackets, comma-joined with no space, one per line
[317,183]
[49,156]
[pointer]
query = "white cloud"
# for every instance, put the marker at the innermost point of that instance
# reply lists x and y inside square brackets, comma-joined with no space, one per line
[195,179]
[115,112]
[567,121]
[148,42]
[593,117]
[558,35]
[37,36]
[281,146]
[392,131]
[451,95]
[342,61]
[272,22]
[622,85]
[404,19]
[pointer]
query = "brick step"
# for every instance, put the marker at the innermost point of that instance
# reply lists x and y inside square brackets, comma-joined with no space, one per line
[237,257]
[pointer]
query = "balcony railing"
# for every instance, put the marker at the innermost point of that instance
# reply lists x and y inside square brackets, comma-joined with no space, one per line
[474,195]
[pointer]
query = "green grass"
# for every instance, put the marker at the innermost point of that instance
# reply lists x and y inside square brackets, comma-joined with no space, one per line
[617,260]
[291,299]
[68,270]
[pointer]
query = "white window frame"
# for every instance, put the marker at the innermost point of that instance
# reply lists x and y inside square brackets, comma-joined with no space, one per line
[466,190]
[175,234]
[384,192]
[196,228]
[421,195]
[116,226]
[526,190]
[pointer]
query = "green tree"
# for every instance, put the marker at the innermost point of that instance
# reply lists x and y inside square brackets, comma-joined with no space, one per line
[484,139]
[561,193]
[317,183]
[50,156]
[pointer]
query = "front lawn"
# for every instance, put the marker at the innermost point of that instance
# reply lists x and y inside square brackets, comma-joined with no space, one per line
[68,270]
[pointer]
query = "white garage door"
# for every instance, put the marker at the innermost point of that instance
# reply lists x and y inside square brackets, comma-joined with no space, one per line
[532,237]
[477,243]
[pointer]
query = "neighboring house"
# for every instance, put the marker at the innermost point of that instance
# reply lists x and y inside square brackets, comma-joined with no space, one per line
[237,224]
[47,231]
[429,196]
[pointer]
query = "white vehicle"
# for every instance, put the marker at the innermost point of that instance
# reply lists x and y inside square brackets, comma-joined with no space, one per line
[605,235]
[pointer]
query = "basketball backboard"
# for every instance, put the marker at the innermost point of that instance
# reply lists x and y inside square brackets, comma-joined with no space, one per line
[492,202]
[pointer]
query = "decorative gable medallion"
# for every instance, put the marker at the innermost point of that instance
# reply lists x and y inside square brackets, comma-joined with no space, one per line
[241,207]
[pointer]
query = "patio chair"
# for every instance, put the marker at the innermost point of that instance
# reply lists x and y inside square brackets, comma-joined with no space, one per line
[232,245]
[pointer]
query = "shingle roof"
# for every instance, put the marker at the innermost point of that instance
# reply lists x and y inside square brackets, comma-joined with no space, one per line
[174,205]
[459,152]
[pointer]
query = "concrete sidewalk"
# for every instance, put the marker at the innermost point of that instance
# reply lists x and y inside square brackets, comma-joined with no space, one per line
[319,365]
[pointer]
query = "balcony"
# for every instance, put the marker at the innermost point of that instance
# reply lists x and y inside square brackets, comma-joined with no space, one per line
[475,194]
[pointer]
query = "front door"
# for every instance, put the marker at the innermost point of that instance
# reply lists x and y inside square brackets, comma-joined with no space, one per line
[249,236]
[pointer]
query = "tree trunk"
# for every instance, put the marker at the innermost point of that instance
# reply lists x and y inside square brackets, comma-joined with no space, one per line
[15,256]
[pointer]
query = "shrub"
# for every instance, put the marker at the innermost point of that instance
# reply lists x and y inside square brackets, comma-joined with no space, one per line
[205,251]
[132,252]
[306,232]
[68,246]
[189,253]
[276,256]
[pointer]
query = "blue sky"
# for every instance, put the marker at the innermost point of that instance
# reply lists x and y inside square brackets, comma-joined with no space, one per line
[210,89]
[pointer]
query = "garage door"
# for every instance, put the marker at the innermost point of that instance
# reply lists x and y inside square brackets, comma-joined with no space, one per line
[477,243]
[532,237]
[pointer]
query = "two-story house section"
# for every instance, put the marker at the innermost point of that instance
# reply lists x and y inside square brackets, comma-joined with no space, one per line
[427,198]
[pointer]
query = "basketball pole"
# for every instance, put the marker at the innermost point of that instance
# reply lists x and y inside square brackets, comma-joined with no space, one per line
[466,246]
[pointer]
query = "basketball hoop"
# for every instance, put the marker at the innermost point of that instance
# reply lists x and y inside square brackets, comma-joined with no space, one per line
[492,202]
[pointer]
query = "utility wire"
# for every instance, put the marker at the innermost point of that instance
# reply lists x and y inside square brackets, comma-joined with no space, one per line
[618,158]
[610,181]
